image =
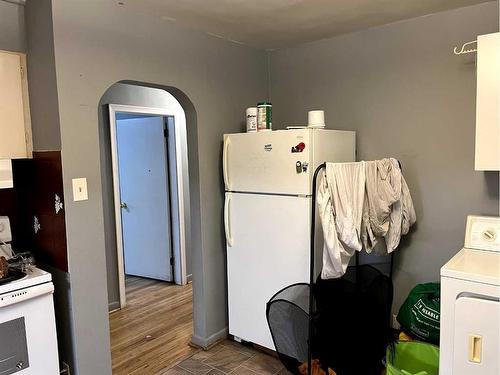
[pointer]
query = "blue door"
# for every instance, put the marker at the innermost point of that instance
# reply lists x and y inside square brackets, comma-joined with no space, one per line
[144,194]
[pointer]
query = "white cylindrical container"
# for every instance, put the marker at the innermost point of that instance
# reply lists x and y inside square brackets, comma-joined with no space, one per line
[316,119]
[251,119]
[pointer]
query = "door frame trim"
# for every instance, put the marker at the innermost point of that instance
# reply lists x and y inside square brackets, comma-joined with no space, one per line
[179,248]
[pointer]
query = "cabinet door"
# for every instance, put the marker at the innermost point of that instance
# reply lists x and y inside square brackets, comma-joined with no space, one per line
[487,106]
[12,109]
[476,337]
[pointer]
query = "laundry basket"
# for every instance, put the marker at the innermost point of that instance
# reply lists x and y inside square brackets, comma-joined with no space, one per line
[344,323]
[413,358]
[353,312]
[288,319]
[349,312]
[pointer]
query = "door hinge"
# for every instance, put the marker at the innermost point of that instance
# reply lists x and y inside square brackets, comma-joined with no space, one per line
[171,261]
[22,72]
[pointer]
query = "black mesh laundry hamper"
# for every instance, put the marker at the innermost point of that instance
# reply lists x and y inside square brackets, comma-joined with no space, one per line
[344,322]
[288,318]
[350,324]
[352,321]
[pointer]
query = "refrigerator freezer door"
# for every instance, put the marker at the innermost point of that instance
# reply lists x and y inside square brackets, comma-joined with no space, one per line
[270,250]
[276,162]
[283,161]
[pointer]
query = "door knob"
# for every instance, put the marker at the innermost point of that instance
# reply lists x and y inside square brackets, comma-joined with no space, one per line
[123,205]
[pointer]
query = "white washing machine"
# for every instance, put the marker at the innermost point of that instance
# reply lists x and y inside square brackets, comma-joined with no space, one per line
[470,303]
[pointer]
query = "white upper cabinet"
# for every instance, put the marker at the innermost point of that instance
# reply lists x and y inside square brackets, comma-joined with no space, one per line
[15,124]
[487,105]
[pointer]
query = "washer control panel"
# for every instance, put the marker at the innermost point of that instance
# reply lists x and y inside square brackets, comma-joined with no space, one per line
[483,233]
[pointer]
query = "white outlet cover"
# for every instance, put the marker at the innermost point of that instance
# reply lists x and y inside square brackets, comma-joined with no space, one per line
[80,192]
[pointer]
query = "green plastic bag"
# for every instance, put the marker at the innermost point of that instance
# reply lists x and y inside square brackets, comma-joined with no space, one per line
[420,314]
[413,358]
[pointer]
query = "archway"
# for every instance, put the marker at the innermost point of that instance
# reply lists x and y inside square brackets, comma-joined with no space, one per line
[129,93]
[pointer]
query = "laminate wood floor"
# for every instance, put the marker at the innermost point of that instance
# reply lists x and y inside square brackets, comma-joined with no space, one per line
[151,337]
[153,331]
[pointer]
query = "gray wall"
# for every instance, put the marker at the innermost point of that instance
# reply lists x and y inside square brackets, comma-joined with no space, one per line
[399,79]
[408,96]
[37,30]
[12,32]
[42,76]
[96,45]
[128,94]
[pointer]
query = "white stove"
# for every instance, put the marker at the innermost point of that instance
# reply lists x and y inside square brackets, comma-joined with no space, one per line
[28,340]
[34,276]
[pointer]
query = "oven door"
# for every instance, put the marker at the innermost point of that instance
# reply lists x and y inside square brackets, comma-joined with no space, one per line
[13,346]
[28,341]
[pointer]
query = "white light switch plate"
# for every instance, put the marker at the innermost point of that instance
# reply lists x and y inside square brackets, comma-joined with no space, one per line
[80,192]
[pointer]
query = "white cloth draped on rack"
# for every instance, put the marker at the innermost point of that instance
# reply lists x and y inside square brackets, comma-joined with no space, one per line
[359,204]
[340,203]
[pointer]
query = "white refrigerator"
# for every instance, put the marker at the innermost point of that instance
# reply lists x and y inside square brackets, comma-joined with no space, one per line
[268,181]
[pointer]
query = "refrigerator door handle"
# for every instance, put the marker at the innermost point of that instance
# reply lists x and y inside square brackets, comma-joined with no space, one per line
[225,162]
[227,220]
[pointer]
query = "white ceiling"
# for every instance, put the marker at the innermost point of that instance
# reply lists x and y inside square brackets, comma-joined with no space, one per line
[279,23]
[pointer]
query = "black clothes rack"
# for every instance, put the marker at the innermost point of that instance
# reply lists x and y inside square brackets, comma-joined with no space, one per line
[312,260]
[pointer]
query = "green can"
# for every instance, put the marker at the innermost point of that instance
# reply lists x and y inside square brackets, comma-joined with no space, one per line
[264,116]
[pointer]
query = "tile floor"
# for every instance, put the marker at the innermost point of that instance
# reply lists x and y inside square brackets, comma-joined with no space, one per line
[228,357]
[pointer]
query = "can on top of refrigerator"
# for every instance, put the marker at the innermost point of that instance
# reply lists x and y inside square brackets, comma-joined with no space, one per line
[251,119]
[264,116]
